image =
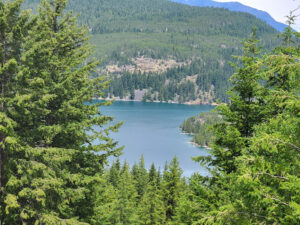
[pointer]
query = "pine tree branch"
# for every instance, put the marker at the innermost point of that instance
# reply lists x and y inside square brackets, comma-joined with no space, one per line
[253,214]
[281,202]
[277,200]
[271,175]
[288,143]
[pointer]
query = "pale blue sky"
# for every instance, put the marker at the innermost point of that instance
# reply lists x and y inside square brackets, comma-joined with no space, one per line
[278,9]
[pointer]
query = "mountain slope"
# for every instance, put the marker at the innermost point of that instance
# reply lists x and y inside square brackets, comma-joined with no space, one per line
[236,6]
[165,51]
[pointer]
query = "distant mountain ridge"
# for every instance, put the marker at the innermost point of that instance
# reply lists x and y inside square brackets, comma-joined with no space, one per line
[236,6]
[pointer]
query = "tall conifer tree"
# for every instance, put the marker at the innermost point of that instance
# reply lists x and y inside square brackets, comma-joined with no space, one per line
[151,207]
[127,196]
[13,29]
[172,187]
[140,176]
[242,113]
[264,186]
[64,142]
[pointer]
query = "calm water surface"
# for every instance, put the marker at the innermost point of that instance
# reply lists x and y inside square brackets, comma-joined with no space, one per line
[152,129]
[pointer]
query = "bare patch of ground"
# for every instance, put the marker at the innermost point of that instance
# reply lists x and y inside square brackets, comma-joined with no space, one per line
[139,94]
[145,65]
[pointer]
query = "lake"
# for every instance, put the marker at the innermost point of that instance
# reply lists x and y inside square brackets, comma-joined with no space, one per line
[152,130]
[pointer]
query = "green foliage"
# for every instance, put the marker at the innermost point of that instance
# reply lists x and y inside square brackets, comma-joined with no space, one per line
[201,127]
[105,204]
[242,113]
[54,142]
[256,156]
[172,187]
[174,84]
[47,188]
[125,203]
[151,209]
[127,194]
[140,177]
[160,29]
[13,28]
[55,84]
[51,130]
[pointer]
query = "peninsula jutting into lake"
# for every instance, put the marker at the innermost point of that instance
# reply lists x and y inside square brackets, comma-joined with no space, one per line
[70,157]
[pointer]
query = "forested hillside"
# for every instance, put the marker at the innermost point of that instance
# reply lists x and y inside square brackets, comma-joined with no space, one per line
[236,6]
[55,142]
[201,40]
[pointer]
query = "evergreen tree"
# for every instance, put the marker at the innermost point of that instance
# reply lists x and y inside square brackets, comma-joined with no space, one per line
[142,178]
[242,113]
[106,203]
[132,94]
[172,187]
[152,173]
[151,208]
[126,195]
[55,73]
[54,142]
[14,26]
[264,187]
[159,179]
[114,173]
[267,188]
[56,170]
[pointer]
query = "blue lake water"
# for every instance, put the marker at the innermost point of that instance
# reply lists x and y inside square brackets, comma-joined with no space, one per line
[152,129]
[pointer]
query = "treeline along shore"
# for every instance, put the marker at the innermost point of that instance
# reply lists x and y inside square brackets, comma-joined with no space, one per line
[55,142]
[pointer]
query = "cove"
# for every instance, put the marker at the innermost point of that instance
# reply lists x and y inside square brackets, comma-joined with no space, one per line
[152,130]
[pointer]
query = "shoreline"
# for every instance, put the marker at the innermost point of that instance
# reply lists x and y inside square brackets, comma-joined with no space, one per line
[192,142]
[181,131]
[199,146]
[156,101]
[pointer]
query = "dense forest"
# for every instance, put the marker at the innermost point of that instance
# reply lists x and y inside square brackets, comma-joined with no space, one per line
[122,31]
[180,84]
[55,142]
[201,126]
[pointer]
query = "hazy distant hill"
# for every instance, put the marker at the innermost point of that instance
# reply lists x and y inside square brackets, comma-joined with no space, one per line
[166,51]
[236,6]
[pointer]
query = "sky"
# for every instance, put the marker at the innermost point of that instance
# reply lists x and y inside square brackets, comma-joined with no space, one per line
[278,9]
